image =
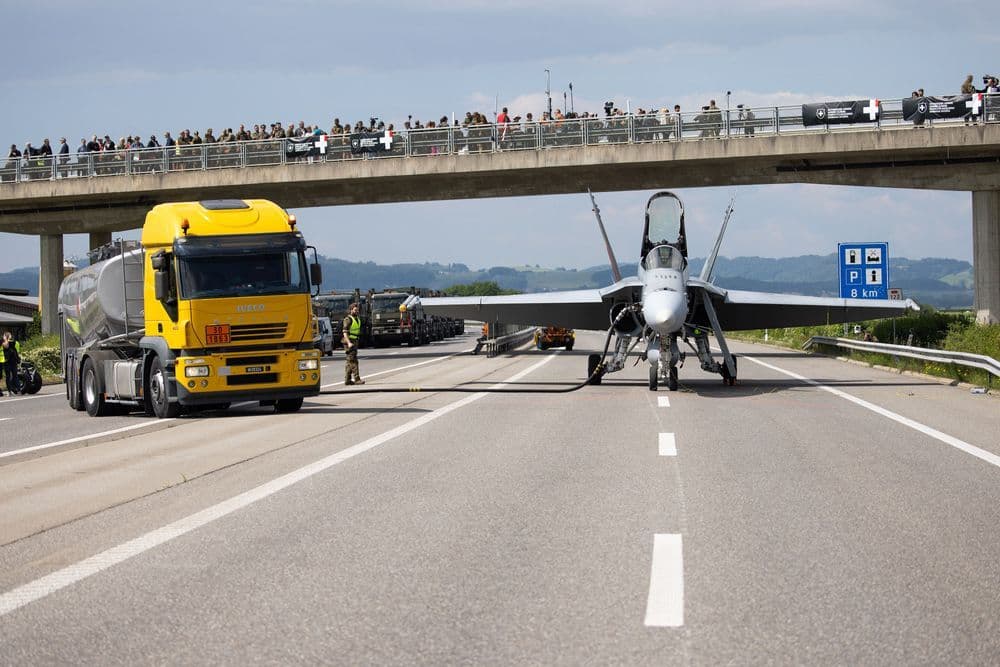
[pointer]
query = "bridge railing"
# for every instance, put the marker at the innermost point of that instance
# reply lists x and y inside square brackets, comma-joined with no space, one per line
[653,127]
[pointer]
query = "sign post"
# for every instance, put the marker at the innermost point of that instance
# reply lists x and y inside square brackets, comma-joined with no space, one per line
[864,270]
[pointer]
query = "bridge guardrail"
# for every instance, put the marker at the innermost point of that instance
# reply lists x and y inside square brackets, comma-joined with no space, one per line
[653,127]
[982,362]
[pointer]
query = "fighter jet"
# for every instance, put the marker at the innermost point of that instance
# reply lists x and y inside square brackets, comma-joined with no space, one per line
[663,306]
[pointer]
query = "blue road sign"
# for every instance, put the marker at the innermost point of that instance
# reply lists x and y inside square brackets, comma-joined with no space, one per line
[864,270]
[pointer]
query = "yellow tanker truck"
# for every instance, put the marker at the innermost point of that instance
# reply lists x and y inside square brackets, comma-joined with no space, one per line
[214,307]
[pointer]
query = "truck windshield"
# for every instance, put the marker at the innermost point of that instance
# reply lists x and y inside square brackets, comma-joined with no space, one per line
[335,306]
[207,276]
[388,304]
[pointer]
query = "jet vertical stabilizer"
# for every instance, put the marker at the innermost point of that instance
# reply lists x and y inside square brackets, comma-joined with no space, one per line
[706,271]
[615,272]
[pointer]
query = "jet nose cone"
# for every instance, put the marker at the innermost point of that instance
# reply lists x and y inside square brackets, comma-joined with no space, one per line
[664,310]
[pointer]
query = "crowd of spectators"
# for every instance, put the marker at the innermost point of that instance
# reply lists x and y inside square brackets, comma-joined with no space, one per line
[504,130]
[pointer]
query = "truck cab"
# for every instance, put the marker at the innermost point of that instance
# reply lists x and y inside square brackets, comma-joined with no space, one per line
[222,289]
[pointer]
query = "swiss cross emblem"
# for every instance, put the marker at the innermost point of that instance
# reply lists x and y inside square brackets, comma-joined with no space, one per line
[386,140]
[871,109]
[975,104]
[321,144]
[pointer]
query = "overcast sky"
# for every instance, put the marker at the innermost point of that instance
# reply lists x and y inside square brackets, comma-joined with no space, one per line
[108,67]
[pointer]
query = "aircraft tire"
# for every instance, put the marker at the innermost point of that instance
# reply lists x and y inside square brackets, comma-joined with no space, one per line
[654,377]
[727,379]
[672,379]
[593,361]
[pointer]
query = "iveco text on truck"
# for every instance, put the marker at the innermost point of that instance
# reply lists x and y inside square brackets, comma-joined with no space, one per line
[214,307]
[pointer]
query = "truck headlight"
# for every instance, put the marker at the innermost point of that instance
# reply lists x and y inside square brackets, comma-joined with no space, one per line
[196,371]
[308,364]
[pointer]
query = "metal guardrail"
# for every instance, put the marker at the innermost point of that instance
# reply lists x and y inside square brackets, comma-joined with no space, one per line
[501,344]
[979,361]
[653,127]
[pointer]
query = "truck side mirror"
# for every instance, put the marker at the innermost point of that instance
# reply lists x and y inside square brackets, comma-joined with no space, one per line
[316,275]
[161,284]
[158,262]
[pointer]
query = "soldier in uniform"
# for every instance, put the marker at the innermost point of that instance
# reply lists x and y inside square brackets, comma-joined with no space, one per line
[351,333]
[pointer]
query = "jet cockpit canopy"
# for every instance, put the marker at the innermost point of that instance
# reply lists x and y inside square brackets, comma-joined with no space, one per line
[664,257]
[664,223]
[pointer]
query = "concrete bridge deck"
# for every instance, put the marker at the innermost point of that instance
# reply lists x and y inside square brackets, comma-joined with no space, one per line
[945,156]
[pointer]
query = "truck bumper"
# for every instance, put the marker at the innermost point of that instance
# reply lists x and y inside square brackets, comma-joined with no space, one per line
[235,375]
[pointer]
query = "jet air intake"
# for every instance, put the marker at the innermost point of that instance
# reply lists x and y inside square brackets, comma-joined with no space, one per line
[628,323]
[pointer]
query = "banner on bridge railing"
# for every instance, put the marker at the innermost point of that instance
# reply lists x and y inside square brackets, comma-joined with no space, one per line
[955,106]
[834,113]
[311,145]
[372,142]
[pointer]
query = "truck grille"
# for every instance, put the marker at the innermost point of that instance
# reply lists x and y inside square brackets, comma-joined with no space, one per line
[256,378]
[261,360]
[241,333]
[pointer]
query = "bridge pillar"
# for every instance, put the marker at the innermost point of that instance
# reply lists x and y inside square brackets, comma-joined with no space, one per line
[986,255]
[97,239]
[50,276]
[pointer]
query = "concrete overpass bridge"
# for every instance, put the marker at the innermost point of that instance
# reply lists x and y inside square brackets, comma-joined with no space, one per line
[107,192]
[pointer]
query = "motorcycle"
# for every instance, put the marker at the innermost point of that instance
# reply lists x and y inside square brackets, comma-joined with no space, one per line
[27,379]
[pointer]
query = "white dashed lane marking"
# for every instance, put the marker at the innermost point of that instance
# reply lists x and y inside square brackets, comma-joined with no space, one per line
[668,446]
[663,401]
[665,605]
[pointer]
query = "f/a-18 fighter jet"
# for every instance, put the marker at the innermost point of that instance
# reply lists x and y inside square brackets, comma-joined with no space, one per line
[663,306]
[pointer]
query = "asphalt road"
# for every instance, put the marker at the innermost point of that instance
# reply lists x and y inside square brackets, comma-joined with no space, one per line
[841,514]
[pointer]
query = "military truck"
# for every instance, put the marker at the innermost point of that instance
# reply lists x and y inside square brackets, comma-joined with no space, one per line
[213,307]
[396,317]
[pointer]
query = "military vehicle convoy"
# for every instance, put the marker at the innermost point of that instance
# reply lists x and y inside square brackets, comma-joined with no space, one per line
[391,317]
[213,307]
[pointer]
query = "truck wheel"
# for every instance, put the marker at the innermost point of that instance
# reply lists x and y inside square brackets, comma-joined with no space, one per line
[288,404]
[162,407]
[73,387]
[93,397]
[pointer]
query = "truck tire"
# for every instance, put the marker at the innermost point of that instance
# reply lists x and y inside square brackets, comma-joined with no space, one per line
[93,397]
[157,391]
[288,404]
[73,387]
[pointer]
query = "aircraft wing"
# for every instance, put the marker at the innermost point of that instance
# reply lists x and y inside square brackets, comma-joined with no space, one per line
[740,310]
[576,309]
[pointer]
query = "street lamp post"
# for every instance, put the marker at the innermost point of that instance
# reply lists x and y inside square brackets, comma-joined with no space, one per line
[548,93]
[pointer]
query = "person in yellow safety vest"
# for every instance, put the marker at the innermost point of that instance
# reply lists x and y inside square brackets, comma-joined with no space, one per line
[351,334]
[10,357]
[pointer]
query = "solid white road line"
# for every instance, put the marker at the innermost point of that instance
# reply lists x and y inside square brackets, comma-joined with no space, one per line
[3,419]
[28,398]
[663,401]
[156,422]
[665,605]
[668,446]
[982,454]
[68,576]
[90,436]
[402,368]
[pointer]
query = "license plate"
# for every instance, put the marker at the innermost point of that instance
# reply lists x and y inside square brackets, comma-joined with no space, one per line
[255,369]
[216,333]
